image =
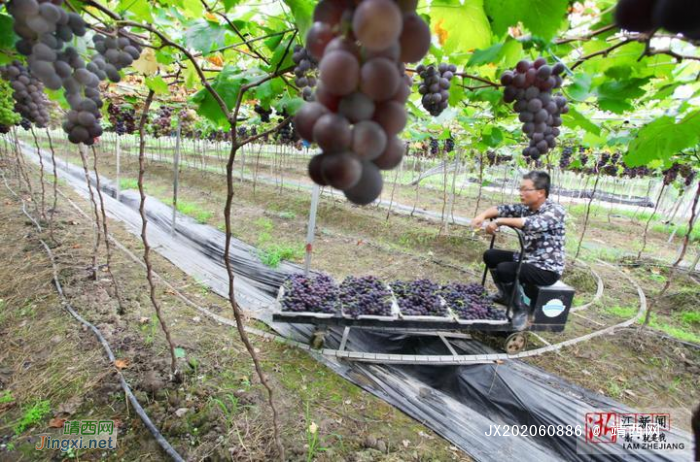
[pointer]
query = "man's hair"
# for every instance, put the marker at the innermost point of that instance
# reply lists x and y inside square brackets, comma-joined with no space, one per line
[541,180]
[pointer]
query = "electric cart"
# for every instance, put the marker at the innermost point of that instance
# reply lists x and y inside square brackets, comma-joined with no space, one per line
[549,308]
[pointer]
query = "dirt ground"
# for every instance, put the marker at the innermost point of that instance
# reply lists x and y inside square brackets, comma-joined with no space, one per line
[222,398]
[54,369]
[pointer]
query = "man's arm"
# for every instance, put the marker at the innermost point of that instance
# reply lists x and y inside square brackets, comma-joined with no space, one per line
[491,212]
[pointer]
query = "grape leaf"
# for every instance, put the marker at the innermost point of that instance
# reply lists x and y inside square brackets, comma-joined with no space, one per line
[576,119]
[541,17]
[663,138]
[136,9]
[581,88]
[303,11]
[204,36]
[460,27]
[227,84]
[228,4]
[157,84]
[614,95]
[7,36]
[485,56]
[269,90]
[147,63]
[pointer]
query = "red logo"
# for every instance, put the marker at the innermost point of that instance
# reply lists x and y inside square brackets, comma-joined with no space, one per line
[601,427]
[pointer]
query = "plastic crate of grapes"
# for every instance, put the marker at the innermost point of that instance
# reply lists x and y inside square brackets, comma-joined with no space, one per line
[367,298]
[419,301]
[313,297]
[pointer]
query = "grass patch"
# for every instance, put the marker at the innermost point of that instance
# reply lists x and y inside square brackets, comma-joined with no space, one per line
[621,311]
[195,211]
[128,183]
[682,231]
[33,416]
[6,397]
[273,255]
[674,331]
[692,317]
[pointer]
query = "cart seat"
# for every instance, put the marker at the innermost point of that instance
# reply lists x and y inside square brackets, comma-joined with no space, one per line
[551,304]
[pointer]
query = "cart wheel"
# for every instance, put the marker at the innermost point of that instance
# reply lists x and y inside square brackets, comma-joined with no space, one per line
[318,339]
[515,343]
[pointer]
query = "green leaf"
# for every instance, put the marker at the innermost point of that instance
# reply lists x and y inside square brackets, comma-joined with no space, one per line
[269,90]
[614,95]
[193,8]
[576,119]
[541,17]
[204,36]
[511,52]
[191,77]
[136,9]
[179,352]
[303,11]
[581,88]
[663,138]
[7,36]
[618,72]
[486,56]
[460,28]
[492,137]
[665,92]
[456,96]
[283,53]
[157,84]
[227,84]
[289,103]
[228,4]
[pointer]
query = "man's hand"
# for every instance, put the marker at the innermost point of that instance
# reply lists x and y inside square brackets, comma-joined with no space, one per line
[478,221]
[492,228]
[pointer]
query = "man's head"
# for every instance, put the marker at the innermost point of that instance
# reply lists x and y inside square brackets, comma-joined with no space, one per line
[534,188]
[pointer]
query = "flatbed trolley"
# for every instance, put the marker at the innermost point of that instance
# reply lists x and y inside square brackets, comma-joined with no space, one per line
[549,305]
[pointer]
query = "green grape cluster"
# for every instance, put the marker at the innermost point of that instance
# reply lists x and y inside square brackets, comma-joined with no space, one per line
[8,116]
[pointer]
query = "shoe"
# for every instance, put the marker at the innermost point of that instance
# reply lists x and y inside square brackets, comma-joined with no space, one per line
[521,310]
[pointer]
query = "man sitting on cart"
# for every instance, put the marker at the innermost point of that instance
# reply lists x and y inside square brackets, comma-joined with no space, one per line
[542,224]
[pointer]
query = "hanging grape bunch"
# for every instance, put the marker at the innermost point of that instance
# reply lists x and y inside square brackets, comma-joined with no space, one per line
[113,55]
[434,147]
[565,159]
[263,113]
[678,16]
[435,86]
[362,90]
[188,117]
[497,159]
[162,125]
[28,92]
[671,174]
[44,29]
[123,119]
[449,145]
[687,173]
[305,66]
[530,86]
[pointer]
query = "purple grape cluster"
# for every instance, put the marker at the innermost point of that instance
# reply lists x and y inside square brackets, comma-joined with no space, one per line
[419,298]
[318,294]
[671,173]
[530,85]
[365,295]
[470,301]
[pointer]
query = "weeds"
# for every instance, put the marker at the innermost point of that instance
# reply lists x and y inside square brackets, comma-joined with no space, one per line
[33,416]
